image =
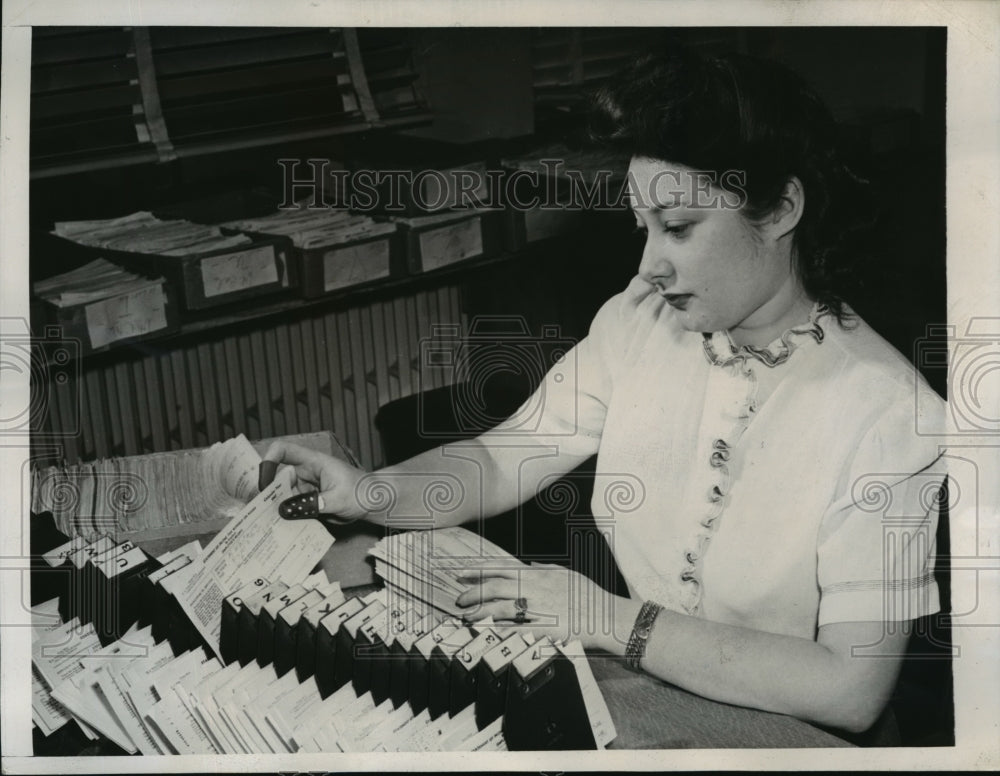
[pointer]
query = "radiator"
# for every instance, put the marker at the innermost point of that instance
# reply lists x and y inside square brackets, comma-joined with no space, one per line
[327,370]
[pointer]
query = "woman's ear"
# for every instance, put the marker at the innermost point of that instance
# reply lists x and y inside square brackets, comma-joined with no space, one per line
[787,214]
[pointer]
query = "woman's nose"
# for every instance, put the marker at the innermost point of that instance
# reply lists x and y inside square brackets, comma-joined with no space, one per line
[655,267]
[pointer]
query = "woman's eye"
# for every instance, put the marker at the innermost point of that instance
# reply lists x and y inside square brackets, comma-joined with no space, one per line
[677,230]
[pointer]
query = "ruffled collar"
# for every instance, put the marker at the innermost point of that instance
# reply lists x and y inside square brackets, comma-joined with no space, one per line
[722,351]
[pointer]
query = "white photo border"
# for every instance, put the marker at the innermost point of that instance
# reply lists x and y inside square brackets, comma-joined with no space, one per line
[973,265]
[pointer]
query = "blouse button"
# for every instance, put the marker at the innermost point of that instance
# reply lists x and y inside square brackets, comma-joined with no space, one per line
[690,556]
[687,576]
[715,494]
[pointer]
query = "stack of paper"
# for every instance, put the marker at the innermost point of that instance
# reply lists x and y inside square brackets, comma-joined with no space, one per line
[315,227]
[437,566]
[100,279]
[256,543]
[142,232]
[447,217]
[152,491]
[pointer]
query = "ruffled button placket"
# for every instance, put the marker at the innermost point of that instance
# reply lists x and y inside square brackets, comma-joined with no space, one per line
[733,368]
[737,384]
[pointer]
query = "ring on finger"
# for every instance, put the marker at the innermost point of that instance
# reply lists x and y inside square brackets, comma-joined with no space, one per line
[520,610]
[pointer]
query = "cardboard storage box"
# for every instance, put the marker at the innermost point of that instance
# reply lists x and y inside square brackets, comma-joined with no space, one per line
[149,311]
[437,241]
[214,278]
[328,268]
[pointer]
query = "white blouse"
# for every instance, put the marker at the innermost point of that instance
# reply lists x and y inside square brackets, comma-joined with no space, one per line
[780,489]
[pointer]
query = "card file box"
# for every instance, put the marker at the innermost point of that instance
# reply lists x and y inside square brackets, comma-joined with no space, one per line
[350,264]
[451,669]
[214,278]
[443,673]
[446,239]
[135,315]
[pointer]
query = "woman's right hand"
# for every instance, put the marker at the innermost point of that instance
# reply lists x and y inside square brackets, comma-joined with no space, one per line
[335,480]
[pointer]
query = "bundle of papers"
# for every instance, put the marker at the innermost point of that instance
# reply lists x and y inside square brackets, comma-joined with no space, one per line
[438,566]
[437,219]
[315,227]
[99,279]
[138,493]
[142,232]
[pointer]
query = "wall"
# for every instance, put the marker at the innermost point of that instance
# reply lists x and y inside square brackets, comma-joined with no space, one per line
[477,82]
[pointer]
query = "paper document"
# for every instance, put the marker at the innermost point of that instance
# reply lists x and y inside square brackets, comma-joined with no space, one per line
[256,543]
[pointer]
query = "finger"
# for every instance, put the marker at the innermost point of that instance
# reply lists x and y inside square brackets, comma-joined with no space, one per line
[488,590]
[277,453]
[337,520]
[291,453]
[507,610]
[481,575]
[498,610]
[307,464]
[265,474]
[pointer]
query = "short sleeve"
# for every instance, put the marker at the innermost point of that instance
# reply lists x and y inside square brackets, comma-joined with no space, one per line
[569,407]
[876,543]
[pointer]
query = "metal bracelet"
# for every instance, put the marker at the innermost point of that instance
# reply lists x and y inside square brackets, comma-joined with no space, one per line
[635,650]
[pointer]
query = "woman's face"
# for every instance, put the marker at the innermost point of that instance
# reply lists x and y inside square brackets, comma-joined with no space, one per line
[718,271]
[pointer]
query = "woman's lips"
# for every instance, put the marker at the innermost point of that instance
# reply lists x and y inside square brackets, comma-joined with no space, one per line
[678,301]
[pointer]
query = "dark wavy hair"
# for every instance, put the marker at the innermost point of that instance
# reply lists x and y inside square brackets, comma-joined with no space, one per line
[739,113]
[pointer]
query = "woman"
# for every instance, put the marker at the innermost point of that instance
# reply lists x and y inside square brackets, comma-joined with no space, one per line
[750,405]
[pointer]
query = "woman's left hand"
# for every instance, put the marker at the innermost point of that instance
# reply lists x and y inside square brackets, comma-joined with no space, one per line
[558,602]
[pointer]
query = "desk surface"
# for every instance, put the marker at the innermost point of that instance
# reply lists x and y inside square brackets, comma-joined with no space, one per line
[650,714]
